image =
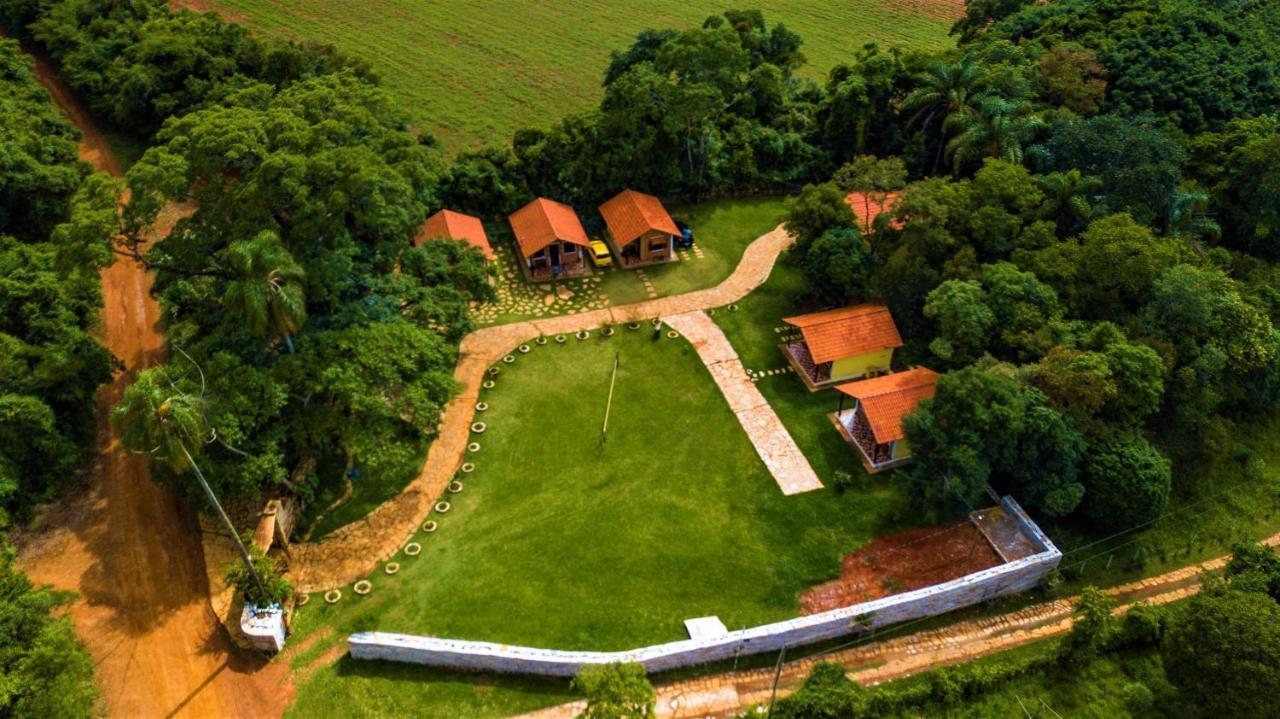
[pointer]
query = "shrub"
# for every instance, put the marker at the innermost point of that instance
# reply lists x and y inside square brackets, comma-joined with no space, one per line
[277,588]
[615,691]
[1139,698]
[1142,626]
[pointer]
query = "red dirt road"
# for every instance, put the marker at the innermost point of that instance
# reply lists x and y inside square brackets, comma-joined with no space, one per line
[132,551]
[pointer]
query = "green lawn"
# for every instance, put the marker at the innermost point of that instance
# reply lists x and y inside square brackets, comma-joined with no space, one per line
[558,542]
[376,484]
[722,228]
[474,71]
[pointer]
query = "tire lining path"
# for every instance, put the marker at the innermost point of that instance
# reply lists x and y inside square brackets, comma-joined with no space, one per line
[770,437]
[130,549]
[733,693]
[354,552]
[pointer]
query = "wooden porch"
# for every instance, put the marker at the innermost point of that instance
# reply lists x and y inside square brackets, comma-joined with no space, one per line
[852,425]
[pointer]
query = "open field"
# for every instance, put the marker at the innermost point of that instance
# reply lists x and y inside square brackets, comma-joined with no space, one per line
[474,71]
[556,542]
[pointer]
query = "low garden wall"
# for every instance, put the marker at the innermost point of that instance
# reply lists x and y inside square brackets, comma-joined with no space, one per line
[968,590]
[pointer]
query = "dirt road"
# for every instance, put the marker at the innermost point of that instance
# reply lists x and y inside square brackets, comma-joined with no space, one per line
[131,550]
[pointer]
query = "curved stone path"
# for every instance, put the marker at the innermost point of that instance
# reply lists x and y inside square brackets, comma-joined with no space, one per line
[354,551]
[733,693]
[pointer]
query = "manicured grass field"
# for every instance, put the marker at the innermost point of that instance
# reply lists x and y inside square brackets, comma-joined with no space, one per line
[474,71]
[557,541]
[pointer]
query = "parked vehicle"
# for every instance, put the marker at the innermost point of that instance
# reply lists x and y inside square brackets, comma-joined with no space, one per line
[685,239]
[600,254]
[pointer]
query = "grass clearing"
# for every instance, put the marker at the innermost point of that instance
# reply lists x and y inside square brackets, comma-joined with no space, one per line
[474,71]
[554,542]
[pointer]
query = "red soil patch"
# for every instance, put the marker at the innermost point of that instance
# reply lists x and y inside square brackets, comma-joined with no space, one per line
[902,562]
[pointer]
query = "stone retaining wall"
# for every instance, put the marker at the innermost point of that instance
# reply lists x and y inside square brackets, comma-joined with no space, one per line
[941,598]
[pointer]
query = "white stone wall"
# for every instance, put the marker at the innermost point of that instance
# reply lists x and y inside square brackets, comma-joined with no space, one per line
[966,591]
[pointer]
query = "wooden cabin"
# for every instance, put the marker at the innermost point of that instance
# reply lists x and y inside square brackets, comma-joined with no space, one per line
[867,206]
[550,240]
[455,226]
[640,232]
[874,423]
[839,345]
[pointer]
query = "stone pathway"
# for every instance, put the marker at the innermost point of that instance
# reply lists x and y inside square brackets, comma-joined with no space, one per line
[771,439]
[355,551]
[733,693]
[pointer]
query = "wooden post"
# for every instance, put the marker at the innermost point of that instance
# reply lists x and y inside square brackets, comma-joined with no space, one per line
[608,405]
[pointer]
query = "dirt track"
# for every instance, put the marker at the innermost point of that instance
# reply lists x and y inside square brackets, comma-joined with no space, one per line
[130,549]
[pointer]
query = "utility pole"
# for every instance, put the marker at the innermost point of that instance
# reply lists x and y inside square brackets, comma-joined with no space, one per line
[777,675]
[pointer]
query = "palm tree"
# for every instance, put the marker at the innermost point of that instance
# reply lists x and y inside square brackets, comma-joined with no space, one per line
[157,419]
[1185,219]
[266,292]
[1000,128]
[1067,198]
[945,91]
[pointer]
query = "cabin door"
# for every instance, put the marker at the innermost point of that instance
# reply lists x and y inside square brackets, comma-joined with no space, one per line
[554,252]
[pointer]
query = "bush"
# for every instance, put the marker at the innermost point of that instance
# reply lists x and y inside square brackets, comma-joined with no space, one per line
[1142,626]
[615,691]
[1139,698]
[841,481]
[277,588]
[1126,481]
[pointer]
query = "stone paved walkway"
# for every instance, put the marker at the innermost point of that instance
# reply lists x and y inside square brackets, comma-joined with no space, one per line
[732,693]
[771,439]
[355,551]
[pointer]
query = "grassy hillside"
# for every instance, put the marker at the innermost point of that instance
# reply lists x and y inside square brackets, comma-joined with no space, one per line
[472,71]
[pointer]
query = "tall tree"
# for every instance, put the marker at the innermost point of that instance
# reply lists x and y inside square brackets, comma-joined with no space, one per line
[999,128]
[266,290]
[159,420]
[1069,199]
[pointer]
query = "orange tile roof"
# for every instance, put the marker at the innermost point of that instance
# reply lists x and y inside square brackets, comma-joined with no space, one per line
[847,332]
[630,214]
[886,400]
[544,221]
[455,226]
[866,208]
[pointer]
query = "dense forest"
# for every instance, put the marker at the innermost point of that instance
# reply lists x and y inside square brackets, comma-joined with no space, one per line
[55,219]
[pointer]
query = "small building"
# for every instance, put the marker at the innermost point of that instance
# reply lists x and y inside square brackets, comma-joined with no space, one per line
[839,345]
[874,423]
[455,226]
[550,240]
[867,206]
[640,230]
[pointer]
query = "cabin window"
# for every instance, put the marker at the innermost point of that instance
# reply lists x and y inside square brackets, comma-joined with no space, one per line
[569,251]
[657,245]
[538,255]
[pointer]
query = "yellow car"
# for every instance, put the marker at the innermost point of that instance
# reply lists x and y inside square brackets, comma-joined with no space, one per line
[600,254]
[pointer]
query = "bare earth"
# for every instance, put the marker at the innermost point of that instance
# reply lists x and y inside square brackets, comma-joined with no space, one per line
[902,562]
[131,550]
